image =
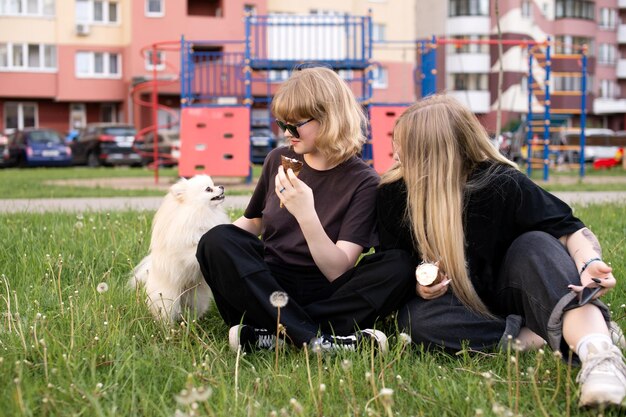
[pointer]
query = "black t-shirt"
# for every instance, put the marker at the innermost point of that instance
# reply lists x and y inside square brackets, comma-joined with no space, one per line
[507,206]
[345,197]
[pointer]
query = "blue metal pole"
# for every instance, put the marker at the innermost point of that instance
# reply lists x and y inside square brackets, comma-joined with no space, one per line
[583,111]
[529,119]
[429,69]
[183,75]
[546,115]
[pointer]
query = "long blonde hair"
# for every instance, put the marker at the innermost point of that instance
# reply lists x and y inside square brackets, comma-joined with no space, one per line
[439,141]
[321,94]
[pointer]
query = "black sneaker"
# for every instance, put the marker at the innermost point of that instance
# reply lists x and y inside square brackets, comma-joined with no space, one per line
[327,343]
[250,338]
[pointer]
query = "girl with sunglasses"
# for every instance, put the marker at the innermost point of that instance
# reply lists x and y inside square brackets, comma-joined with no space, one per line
[309,247]
[510,254]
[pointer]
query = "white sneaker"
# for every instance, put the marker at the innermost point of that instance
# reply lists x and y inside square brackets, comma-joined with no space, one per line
[617,335]
[329,343]
[251,338]
[602,377]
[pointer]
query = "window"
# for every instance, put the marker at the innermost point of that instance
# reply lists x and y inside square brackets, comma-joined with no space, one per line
[278,76]
[606,53]
[573,44]
[155,8]
[27,57]
[609,89]
[575,9]
[96,11]
[160,61]
[527,9]
[469,82]
[208,8]
[464,47]
[608,18]
[19,115]
[378,32]
[108,113]
[569,83]
[468,8]
[379,77]
[44,8]
[98,65]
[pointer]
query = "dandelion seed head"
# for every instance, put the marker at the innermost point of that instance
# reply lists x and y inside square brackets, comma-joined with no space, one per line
[297,407]
[322,387]
[479,412]
[557,354]
[405,339]
[541,352]
[78,225]
[386,392]
[279,299]
[368,375]
[346,364]
[99,386]
[513,359]
[102,287]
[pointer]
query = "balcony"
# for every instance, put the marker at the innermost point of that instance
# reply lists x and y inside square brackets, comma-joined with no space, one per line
[477,101]
[470,63]
[609,106]
[468,25]
[621,34]
[621,68]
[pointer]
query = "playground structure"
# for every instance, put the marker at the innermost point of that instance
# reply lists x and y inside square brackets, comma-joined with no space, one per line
[223,93]
[541,61]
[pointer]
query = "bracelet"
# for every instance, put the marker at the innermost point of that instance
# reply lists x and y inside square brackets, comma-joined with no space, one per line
[589,262]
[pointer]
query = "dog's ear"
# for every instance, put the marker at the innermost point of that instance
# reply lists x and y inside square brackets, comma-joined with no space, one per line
[178,189]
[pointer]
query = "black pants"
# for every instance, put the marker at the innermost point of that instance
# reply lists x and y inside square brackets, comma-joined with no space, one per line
[232,263]
[532,285]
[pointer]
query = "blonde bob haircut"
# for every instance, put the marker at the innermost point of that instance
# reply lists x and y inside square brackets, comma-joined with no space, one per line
[320,93]
[438,142]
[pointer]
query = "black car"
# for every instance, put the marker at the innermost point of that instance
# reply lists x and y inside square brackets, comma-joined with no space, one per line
[262,141]
[106,144]
[33,147]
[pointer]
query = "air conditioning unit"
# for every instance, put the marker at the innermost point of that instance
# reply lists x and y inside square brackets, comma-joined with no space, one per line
[82,29]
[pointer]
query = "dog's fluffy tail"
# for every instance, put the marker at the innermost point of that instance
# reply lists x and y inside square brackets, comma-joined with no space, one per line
[140,273]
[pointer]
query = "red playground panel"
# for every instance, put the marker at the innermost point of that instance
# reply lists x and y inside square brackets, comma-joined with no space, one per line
[215,141]
[382,120]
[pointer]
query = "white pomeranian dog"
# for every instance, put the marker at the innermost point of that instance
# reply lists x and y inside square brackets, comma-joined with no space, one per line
[170,273]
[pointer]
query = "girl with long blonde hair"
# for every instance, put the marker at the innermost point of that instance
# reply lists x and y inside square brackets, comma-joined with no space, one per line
[513,259]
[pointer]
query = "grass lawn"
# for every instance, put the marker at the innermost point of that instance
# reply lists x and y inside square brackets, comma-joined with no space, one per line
[39,182]
[72,346]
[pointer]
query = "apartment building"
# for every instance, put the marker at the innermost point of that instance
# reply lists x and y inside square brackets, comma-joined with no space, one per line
[65,63]
[470,71]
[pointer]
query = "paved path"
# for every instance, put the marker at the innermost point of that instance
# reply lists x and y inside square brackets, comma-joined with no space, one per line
[152,203]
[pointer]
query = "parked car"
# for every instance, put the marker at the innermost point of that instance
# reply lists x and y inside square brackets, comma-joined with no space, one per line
[105,144]
[33,147]
[4,151]
[168,147]
[599,143]
[262,141]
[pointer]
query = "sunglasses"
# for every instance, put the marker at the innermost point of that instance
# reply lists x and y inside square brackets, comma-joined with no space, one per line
[293,129]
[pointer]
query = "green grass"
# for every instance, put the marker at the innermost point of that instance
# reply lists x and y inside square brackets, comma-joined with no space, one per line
[38,182]
[68,350]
